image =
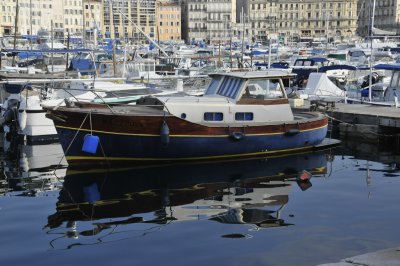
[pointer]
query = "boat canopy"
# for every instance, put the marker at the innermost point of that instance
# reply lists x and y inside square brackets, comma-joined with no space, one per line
[270,74]
[387,66]
[49,51]
[337,67]
[16,88]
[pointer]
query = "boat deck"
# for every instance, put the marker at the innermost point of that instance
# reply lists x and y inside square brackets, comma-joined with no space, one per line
[138,110]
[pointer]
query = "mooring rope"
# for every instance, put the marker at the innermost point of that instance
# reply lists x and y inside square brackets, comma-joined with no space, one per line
[69,146]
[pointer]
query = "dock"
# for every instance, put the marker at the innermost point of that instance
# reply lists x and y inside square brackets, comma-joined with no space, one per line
[370,122]
[387,257]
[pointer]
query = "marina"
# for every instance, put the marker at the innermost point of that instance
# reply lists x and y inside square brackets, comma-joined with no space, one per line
[199,132]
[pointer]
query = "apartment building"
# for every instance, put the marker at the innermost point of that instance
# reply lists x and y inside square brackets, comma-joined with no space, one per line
[304,20]
[7,17]
[257,19]
[73,16]
[93,18]
[386,17]
[168,20]
[130,20]
[210,20]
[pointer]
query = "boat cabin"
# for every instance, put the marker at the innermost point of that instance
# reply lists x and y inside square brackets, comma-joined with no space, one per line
[304,66]
[392,92]
[239,98]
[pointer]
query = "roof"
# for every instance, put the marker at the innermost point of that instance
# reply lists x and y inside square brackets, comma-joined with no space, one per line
[257,74]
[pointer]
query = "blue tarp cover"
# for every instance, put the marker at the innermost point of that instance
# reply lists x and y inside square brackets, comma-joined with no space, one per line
[336,67]
[387,66]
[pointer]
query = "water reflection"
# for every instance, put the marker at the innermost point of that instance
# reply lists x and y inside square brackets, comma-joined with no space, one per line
[121,203]
[29,170]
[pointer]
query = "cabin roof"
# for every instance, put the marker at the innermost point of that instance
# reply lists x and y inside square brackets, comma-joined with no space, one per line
[257,74]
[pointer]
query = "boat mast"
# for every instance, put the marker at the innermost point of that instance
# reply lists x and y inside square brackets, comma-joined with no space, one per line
[30,18]
[83,24]
[15,30]
[52,47]
[371,56]
[140,30]
[243,36]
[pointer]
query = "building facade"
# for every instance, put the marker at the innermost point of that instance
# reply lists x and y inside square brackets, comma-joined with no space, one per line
[257,19]
[7,17]
[93,18]
[210,20]
[73,16]
[168,20]
[305,20]
[130,20]
[386,18]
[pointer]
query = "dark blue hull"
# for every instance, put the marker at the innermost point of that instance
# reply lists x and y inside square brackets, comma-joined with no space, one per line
[134,147]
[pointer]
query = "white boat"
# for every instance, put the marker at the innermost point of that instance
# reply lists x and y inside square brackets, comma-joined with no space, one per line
[320,87]
[24,119]
[33,169]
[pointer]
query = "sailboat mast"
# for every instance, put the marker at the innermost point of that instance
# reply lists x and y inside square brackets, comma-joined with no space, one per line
[30,18]
[15,29]
[83,24]
[371,56]
[140,30]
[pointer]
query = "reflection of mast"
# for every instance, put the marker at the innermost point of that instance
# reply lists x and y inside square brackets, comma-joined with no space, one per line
[368,179]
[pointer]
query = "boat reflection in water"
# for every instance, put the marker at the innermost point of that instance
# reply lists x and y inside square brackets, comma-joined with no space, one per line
[122,203]
[32,169]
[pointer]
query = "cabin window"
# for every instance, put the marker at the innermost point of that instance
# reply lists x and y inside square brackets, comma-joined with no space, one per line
[395,79]
[213,86]
[213,116]
[263,89]
[244,116]
[230,87]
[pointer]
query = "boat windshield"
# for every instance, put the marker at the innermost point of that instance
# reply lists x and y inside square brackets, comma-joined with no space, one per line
[394,82]
[263,89]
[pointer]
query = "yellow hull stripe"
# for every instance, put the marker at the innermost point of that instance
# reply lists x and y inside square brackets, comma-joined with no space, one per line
[92,158]
[181,136]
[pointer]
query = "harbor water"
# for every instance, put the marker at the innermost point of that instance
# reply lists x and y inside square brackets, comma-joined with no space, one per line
[302,209]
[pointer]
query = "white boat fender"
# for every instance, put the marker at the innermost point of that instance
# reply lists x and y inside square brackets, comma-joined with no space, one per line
[164,133]
[22,117]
